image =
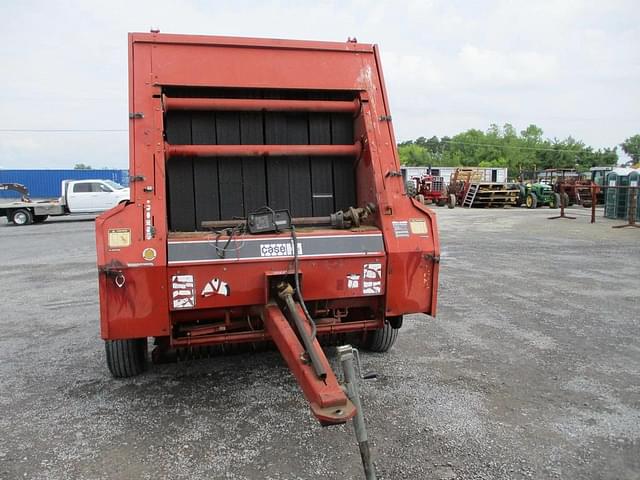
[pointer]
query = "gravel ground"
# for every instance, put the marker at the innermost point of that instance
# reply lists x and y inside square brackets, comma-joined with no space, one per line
[531,370]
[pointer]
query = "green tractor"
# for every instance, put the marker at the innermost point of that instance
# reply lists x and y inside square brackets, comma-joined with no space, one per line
[535,195]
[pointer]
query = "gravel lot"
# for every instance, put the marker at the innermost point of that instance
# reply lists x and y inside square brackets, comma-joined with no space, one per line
[531,370]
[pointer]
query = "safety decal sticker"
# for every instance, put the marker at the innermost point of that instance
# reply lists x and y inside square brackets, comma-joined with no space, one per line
[353,280]
[149,254]
[183,291]
[216,287]
[372,279]
[400,229]
[418,226]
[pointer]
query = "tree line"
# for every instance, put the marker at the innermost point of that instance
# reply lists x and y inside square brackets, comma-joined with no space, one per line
[505,147]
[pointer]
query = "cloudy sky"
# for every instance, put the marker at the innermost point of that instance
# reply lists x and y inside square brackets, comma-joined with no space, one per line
[572,67]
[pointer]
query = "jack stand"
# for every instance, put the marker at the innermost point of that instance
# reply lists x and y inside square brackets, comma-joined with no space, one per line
[562,202]
[346,355]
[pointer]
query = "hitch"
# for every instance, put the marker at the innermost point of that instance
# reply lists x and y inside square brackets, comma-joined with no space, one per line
[328,401]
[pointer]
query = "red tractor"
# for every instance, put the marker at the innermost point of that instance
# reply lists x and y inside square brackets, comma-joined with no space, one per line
[427,189]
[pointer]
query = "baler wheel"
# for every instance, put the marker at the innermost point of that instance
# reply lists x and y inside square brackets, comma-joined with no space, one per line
[452,201]
[126,358]
[381,340]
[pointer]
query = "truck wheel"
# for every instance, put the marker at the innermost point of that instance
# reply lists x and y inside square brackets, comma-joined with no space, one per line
[39,218]
[452,201]
[382,340]
[532,200]
[126,358]
[22,216]
[555,201]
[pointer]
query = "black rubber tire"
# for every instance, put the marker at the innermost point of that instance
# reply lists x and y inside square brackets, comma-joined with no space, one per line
[567,200]
[21,216]
[126,358]
[410,188]
[39,218]
[381,340]
[555,203]
[532,200]
[452,201]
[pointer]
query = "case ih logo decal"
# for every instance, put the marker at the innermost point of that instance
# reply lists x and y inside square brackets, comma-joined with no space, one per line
[279,249]
[183,291]
[372,279]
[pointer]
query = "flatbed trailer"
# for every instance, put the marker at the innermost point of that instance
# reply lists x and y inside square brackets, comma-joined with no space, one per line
[267,204]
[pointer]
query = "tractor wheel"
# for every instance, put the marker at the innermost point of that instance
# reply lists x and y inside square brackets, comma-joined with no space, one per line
[411,189]
[452,201]
[554,201]
[126,358]
[22,216]
[532,200]
[381,340]
[39,218]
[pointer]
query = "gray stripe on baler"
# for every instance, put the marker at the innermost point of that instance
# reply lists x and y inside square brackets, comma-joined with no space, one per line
[200,251]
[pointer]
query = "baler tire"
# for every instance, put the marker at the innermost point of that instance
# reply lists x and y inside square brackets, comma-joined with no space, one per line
[126,358]
[382,340]
[452,201]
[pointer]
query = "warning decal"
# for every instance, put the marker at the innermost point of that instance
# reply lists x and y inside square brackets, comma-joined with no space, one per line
[216,287]
[183,291]
[401,229]
[372,279]
[353,280]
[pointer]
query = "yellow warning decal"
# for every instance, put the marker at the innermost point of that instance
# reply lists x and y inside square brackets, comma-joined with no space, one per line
[119,237]
[418,226]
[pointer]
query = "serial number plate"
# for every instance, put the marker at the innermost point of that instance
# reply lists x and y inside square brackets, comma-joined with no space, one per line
[278,249]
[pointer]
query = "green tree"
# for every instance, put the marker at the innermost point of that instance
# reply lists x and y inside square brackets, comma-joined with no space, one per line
[631,146]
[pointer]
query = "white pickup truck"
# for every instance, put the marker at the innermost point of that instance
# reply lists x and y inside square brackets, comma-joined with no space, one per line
[78,197]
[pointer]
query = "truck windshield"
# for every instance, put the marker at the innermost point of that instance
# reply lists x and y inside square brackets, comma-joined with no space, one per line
[114,185]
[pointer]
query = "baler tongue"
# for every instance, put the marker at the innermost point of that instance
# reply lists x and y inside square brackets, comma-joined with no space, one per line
[307,362]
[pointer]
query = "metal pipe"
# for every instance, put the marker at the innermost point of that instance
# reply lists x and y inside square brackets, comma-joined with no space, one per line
[296,221]
[261,104]
[345,353]
[261,150]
